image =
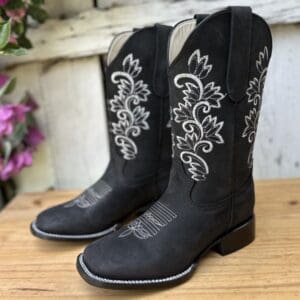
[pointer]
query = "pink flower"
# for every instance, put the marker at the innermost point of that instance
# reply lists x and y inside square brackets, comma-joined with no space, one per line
[31,103]
[6,128]
[15,164]
[3,80]
[10,114]
[13,40]
[13,111]
[34,137]
[6,120]
[7,170]
[20,111]
[21,160]
[6,112]
[3,2]
[16,14]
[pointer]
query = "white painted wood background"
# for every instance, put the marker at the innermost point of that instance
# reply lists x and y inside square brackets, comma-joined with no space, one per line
[64,73]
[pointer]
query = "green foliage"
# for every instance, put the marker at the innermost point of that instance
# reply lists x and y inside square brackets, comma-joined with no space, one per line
[8,87]
[23,41]
[12,49]
[18,135]
[5,31]
[14,22]
[6,149]
[15,4]
[37,13]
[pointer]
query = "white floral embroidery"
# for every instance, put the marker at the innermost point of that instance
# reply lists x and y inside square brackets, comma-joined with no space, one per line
[254,93]
[200,134]
[251,124]
[90,197]
[150,223]
[132,117]
[256,85]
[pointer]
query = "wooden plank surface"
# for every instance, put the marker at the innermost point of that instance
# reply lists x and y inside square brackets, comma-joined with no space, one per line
[72,116]
[90,32]
[267,269]
[86,116]
[66,8]
[276,153]
[73,101]
[40,176]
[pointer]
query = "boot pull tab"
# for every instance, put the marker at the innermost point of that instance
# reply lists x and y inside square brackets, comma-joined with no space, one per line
[160,80]
[239,52]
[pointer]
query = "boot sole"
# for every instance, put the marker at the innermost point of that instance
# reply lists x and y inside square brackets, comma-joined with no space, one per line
[65,237]
[230,242]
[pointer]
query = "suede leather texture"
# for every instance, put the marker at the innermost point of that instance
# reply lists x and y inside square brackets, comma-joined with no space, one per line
[203,210]
[126,184]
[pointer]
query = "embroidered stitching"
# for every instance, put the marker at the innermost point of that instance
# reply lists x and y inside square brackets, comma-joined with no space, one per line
[173,144]
[199,134]
[133,282]
[132,117]
[150,223]
[254,93]
[90,197]
[75,237]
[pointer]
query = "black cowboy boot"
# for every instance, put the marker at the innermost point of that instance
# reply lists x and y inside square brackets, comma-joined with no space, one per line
[216,77]
[140,142]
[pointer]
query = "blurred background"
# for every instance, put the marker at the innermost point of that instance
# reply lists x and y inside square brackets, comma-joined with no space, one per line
[64,74]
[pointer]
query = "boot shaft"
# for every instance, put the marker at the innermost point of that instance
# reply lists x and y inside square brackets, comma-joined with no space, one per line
[137,103]
[216,81]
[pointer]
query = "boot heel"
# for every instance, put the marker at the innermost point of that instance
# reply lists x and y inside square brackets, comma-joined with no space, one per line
[237,238]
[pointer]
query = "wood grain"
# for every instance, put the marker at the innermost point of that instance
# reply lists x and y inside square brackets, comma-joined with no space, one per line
[276,153]
[90,32]
[40,176]
[72,116]
[267,269]
[66,8]
[71,89]
[86,116]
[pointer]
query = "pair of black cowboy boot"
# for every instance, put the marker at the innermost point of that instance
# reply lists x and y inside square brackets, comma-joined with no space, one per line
[200,197]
